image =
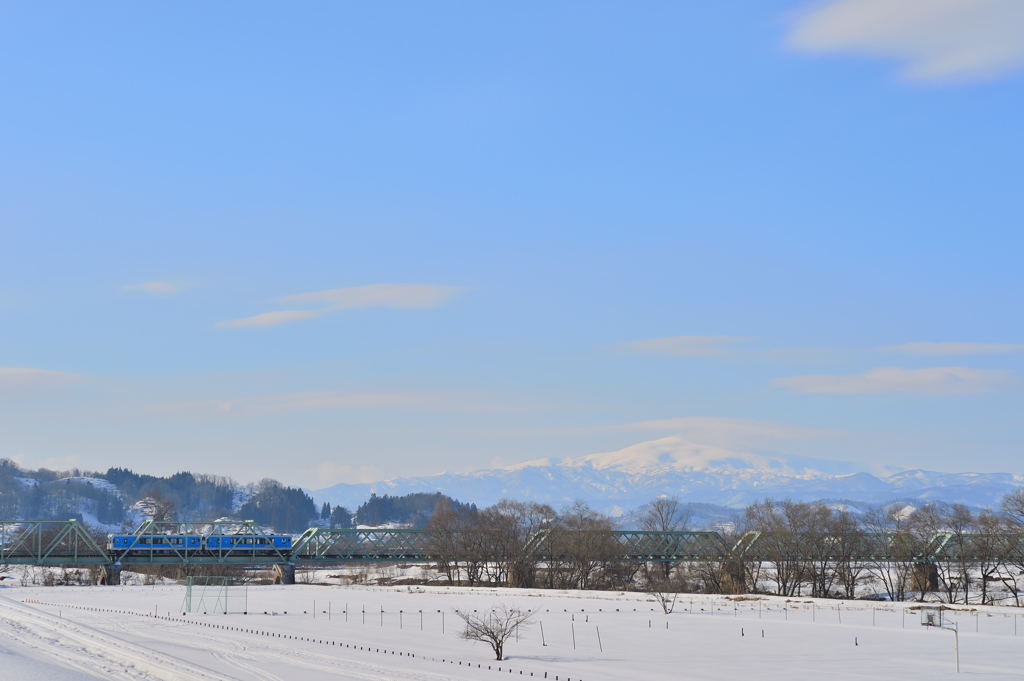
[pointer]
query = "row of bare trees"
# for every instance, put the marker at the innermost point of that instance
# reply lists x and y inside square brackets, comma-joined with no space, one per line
[812,549]
[786,548]
[500,545]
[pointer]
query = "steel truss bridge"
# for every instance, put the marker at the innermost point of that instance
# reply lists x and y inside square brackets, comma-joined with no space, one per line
[70,543]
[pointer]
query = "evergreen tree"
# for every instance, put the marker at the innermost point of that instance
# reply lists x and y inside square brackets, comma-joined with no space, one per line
[285,509]
[341,517]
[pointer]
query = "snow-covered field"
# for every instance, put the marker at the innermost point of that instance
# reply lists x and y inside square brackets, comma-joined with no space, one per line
[308,632]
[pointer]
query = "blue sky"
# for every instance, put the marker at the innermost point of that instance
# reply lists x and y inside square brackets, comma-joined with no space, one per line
[523,230]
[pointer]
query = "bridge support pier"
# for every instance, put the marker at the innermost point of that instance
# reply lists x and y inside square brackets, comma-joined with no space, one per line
[735,580]
[925,577]
[284,574]
[111,574]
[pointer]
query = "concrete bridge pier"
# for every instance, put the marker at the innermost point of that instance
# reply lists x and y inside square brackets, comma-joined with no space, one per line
[735,580]
[110,575]
[284,573]
[925,577]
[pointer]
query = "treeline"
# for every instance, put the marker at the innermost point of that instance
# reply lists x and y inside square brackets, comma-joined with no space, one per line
[499,545]
[796,549]
[285,509]
[410,510]
[200,498]
[949,550]
[414,510]
[120,497]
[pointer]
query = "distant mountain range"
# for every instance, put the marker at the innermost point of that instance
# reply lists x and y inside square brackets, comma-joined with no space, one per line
[620,481]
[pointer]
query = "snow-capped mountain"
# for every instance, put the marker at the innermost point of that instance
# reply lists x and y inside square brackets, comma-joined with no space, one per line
[624,479]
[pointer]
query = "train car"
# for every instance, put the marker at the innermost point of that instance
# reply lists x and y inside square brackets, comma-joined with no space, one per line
[155,542]
[253,542]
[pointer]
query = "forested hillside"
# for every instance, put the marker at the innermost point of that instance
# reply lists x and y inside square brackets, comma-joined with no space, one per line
[120,497]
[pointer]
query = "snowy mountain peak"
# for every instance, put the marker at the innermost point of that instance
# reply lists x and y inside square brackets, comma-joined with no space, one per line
[676,454]
[676,466]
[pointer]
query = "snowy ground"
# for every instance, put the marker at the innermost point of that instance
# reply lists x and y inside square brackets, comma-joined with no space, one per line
[60,633]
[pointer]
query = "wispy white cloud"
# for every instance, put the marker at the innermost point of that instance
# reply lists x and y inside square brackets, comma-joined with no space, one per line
[336,400]
[157,288]
[730,432]
[937,40]
[377,295]
[931,348]
[936,380]
[326,400]
[24,378]
[683,346]
[271,318]
[330,300]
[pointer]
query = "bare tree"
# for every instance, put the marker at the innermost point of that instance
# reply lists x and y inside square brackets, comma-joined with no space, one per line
[494,627]
[664,590]
[1013,506]
[989,545]
[848,542]
[456,539]
[580,547]
[511,531]
[954,562]
[900,541]
[443,539]
[1010,551]
[665,514]
[815,525]
[780,542]
[159,507]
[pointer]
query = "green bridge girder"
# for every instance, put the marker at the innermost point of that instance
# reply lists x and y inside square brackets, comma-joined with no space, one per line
[72,543]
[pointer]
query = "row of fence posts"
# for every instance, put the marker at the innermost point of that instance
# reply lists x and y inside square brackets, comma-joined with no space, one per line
[597,629]
[874,611]
[259,632]
[711,611]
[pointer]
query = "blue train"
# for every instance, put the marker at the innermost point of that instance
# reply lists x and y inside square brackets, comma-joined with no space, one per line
[192,542]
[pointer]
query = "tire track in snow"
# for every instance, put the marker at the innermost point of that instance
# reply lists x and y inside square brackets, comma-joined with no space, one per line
[88,649]
[232,659]
[346,664]
[335,667]
[343,665]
